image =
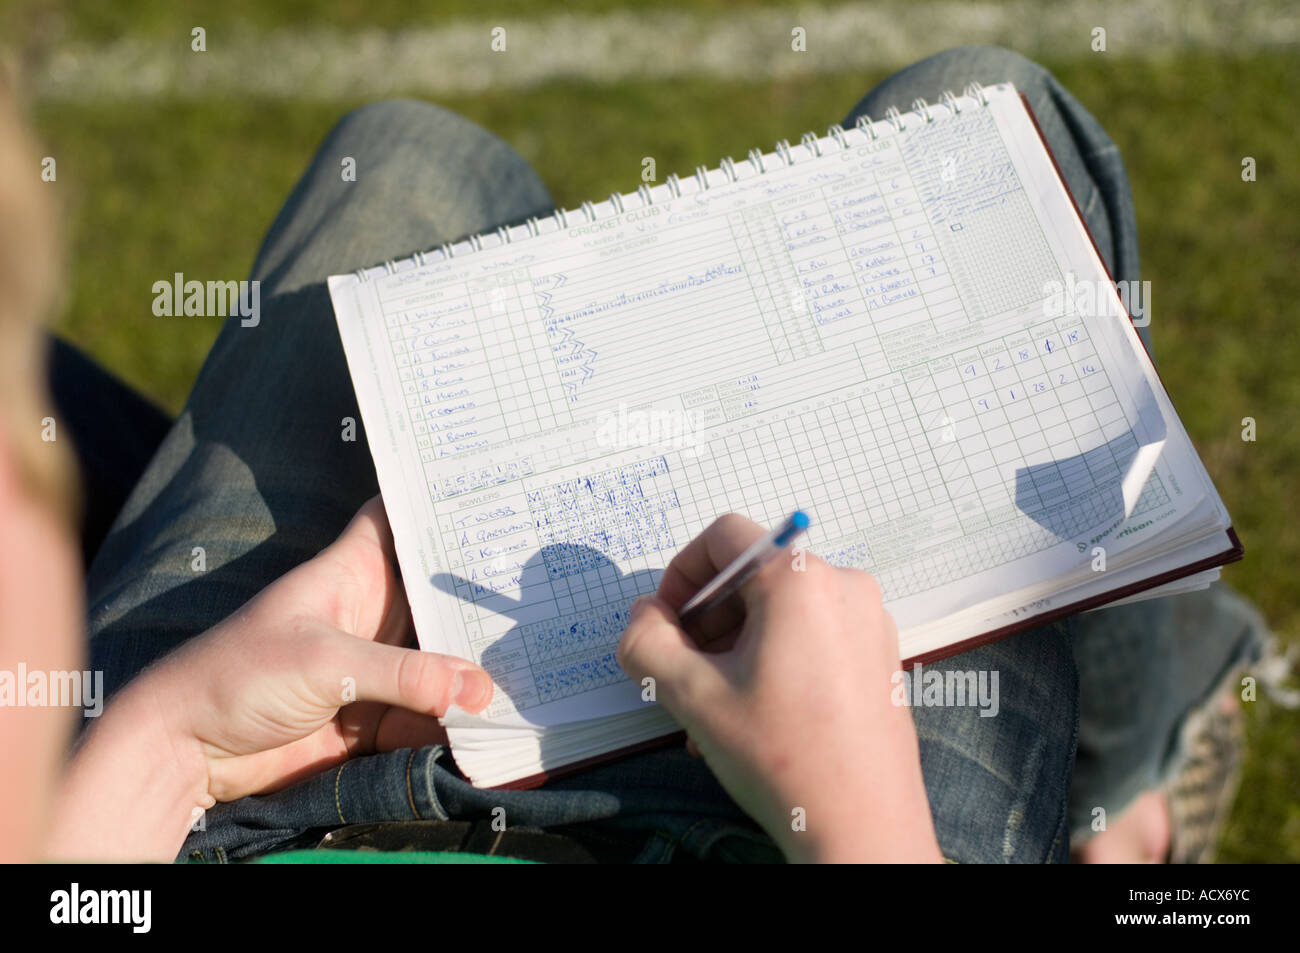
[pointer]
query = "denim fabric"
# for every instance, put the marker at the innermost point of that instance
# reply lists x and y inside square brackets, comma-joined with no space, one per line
[665,794]
[1150,665]
[254,471]
[114,433]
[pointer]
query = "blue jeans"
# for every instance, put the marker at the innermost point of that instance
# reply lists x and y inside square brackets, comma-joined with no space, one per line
[254,472]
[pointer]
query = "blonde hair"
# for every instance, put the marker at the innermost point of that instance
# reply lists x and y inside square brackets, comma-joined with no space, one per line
[29,270]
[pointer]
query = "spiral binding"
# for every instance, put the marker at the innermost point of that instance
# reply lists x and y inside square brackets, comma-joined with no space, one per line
[810,142]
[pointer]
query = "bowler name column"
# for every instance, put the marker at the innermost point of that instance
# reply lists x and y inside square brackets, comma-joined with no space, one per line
[498,574]
[444,372]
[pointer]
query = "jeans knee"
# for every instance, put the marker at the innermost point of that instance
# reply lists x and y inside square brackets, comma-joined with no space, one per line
[390,129]
[388,114]
[953,69]
[997,63]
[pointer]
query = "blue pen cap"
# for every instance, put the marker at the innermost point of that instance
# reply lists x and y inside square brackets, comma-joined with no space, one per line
[796,524]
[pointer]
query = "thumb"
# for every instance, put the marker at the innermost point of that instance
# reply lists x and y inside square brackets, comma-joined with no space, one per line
[413,679]
[655,645]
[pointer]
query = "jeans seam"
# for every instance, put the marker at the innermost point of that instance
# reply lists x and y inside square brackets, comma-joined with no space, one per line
[680,840]
[338,805]
[1092,200]
[410,795]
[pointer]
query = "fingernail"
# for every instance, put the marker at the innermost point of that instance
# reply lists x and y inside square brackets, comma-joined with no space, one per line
[471,688]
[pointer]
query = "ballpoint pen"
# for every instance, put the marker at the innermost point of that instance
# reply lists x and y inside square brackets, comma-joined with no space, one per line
[741,569]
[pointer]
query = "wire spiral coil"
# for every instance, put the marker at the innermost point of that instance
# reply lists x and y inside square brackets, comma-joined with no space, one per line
[894,121]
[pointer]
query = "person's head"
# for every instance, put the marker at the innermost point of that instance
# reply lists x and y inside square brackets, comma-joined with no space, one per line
[41,613]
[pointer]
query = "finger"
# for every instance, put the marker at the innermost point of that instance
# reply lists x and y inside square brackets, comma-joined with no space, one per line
[419,681]
[371,524]
[400,728]
[368,598]
[265,771]
[705,556]
[655,646]
[367,727]
[790,581]
[717,629]
[360,729]
[396,627]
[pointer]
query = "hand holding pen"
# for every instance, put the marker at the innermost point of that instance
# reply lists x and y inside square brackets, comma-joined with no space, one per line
[787,695]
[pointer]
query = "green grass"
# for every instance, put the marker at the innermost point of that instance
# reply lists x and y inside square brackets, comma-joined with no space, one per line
[153,188]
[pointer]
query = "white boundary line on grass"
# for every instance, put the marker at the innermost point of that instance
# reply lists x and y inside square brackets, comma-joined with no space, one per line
[750,44]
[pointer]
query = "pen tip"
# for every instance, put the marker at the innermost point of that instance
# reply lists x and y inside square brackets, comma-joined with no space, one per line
[800,520]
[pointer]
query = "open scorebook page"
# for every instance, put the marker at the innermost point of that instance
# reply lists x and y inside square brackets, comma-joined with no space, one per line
[864,327]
